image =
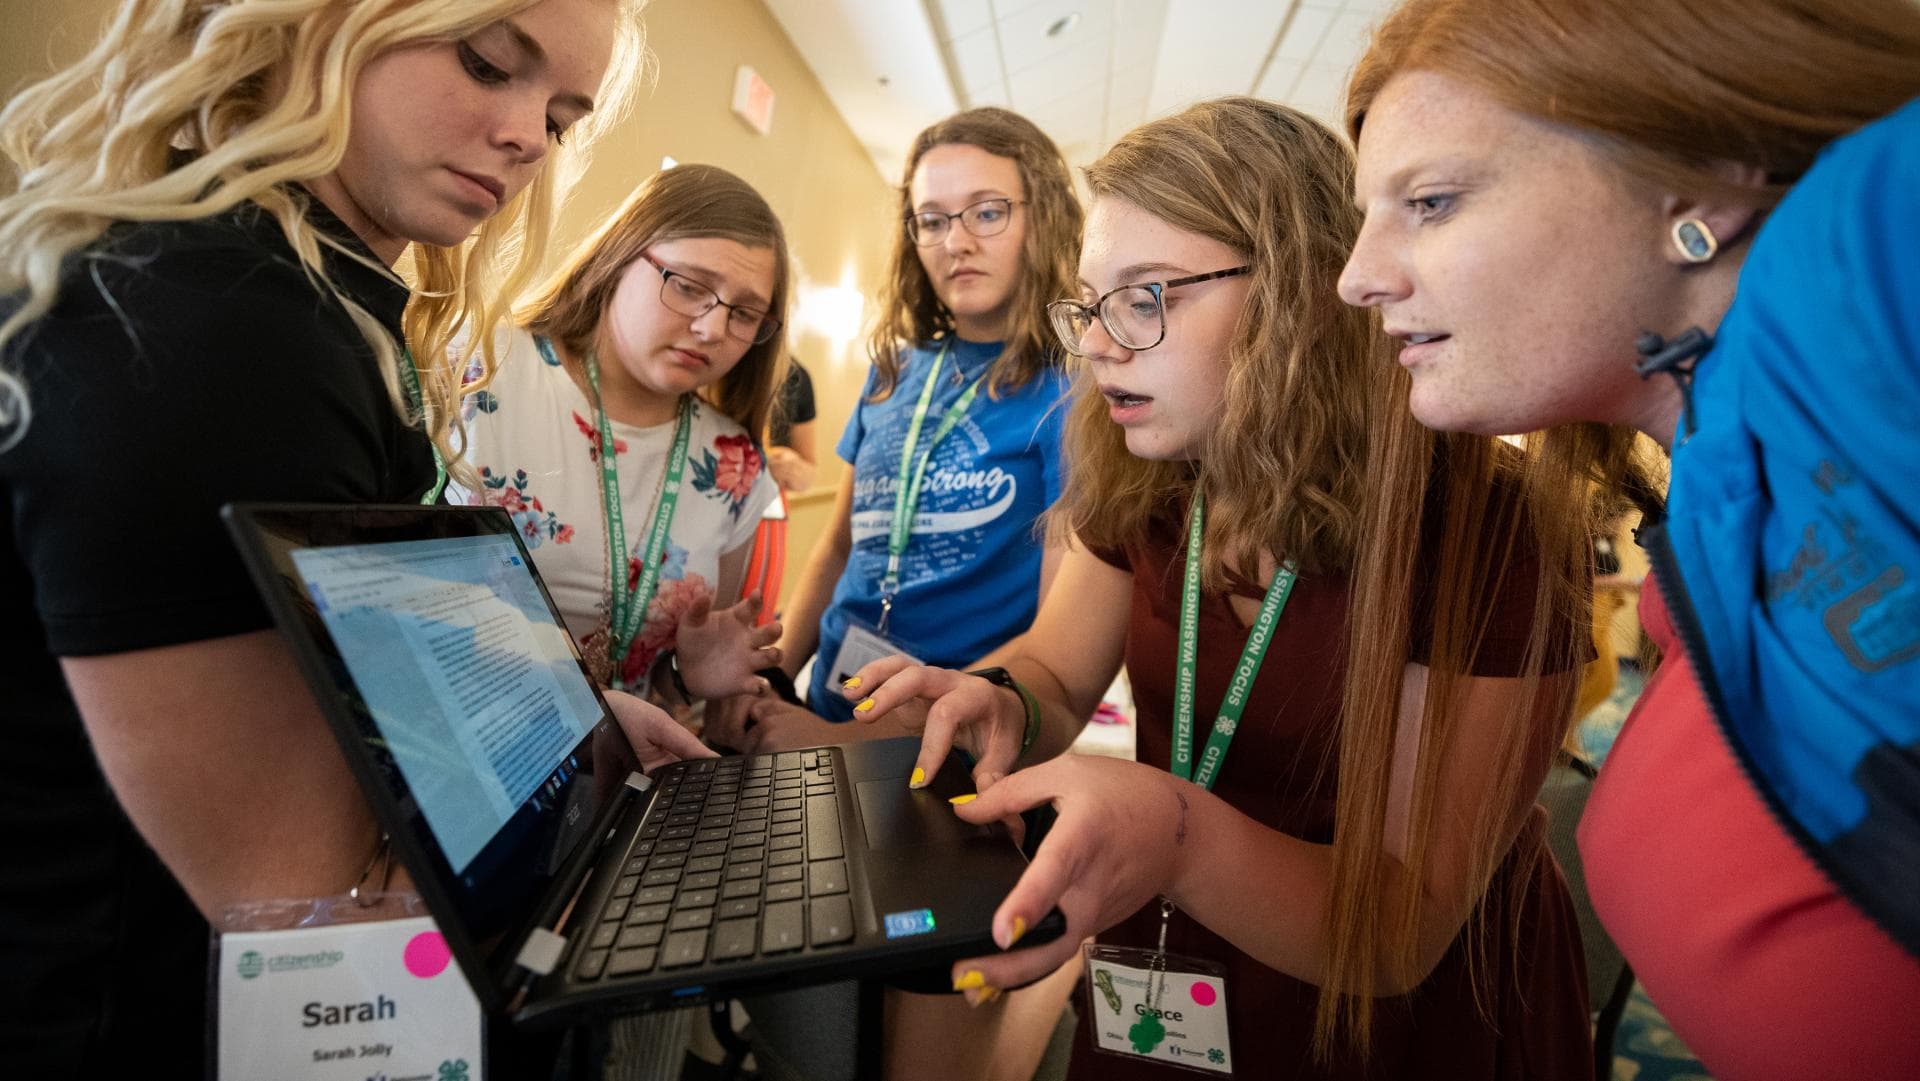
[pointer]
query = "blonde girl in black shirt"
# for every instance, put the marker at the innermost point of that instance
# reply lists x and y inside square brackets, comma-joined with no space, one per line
[199,307]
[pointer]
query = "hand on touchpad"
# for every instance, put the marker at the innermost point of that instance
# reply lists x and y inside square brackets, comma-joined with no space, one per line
[899,817]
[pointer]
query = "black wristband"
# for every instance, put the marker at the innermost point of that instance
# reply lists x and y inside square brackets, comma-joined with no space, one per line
[679,681]
[1000,677]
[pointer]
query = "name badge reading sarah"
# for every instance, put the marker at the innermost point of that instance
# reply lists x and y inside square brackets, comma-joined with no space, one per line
[347,1001]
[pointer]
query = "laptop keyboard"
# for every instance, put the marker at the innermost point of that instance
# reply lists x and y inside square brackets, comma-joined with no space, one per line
[738,858]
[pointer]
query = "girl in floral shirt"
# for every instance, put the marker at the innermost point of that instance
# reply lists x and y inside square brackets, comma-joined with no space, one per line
[659,343]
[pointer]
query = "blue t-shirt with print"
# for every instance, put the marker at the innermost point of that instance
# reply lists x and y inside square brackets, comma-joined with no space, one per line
[970,578]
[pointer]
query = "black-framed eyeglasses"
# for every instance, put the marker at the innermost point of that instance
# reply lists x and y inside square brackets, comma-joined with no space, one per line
[988,217]
[1135,315]
[689,298]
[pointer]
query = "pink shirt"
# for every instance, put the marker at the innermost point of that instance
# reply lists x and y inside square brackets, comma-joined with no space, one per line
[1762,968]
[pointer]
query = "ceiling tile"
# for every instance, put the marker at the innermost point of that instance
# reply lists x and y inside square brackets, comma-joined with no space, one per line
[1212,47]
[995,94]
[1126,110]
[1278,82]
[977,58]
[1346,39]
[1309,25]
[962,17]
[1023,36]
[1322,87]
[1045,81]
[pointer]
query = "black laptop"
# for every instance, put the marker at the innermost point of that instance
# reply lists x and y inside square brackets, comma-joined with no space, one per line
[568,884]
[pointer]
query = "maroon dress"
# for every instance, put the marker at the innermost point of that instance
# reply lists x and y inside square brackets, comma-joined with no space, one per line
[1281,770]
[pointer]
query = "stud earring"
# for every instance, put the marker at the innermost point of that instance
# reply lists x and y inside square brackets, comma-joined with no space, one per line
[1694,240]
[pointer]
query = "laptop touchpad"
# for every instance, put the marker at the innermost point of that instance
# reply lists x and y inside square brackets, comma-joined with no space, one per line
[899,817]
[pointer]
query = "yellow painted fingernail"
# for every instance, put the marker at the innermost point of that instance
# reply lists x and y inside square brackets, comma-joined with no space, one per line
[864,707]
[984,996]
[969,980]
[851,683]
[919,778]
[1019,928]
[968,798]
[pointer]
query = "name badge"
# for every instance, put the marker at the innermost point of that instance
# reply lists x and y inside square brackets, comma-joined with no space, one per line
[1162,1007]
[863,646]
[349,1001]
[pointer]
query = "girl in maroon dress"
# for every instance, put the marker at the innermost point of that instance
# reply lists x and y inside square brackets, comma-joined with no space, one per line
[1358,848]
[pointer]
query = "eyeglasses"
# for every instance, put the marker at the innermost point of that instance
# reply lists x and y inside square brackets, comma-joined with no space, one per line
[689,298]
[988,217]
[1135,315]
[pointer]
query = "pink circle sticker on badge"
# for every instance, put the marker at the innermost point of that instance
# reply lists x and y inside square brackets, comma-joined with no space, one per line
[426,955]
[1202,992]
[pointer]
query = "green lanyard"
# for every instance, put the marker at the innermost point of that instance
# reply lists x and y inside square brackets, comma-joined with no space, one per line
[412,377]
[630,605]
[906,494]
[1241,687]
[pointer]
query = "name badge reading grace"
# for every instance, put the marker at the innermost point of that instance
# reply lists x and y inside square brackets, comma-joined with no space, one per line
[1163,1007]
[348,1001]
[861,647]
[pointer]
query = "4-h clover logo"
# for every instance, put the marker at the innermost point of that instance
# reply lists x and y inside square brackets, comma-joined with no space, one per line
[454,1070]
[1225,726]
[250,964]
[1216,1056]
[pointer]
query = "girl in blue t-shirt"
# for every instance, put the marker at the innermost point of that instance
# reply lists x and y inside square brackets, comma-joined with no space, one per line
[959,411]
[964,392]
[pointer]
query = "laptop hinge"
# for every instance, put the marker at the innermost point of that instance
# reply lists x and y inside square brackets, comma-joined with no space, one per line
[542,951]
[639,782]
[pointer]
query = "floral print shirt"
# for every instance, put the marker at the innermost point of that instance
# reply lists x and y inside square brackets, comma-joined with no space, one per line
[533,439]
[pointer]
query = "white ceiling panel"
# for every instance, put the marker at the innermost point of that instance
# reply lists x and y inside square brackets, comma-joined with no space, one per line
[1084,65]
[1303,35]
[1347,38]
[977,56]
[1120,63]
[1277,85]
[1023,36]
[962,17]
[1320,90]
[1212,47]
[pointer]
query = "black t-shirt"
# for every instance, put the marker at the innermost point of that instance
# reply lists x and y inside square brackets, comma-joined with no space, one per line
[794,406]
[184,366]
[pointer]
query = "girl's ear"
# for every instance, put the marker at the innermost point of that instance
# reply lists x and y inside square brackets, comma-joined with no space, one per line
[1698,229]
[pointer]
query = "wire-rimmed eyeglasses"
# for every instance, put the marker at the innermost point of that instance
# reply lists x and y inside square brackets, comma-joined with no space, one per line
[1135,316]
[988,217]
[689,298]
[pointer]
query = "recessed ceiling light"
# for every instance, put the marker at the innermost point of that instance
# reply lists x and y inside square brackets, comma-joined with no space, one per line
[1063,24]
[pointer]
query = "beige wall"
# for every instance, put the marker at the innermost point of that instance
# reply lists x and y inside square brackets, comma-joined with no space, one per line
[837,210]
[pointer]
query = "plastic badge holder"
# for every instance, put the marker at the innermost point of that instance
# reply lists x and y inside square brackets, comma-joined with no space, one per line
[1163,1007]
[339,988]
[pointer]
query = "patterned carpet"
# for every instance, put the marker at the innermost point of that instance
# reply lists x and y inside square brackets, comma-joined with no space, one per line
[1645,1049]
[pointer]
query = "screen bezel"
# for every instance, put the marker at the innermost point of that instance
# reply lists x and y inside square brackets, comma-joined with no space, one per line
[485,920]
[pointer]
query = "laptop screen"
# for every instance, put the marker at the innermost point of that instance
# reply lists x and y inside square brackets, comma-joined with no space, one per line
[468,708]
[473,686]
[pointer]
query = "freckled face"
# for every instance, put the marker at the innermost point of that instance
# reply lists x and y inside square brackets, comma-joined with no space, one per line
[1513,261]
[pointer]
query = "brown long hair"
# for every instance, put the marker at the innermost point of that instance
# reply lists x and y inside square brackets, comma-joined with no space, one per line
[675,204]
[910,311]
[1316,460]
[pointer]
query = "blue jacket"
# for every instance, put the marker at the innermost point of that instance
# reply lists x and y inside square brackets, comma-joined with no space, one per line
[1793,522]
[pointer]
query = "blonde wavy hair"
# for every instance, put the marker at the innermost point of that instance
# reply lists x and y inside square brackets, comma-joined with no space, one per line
[258,93]
[910,310]
[1315,459]
[685,201]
